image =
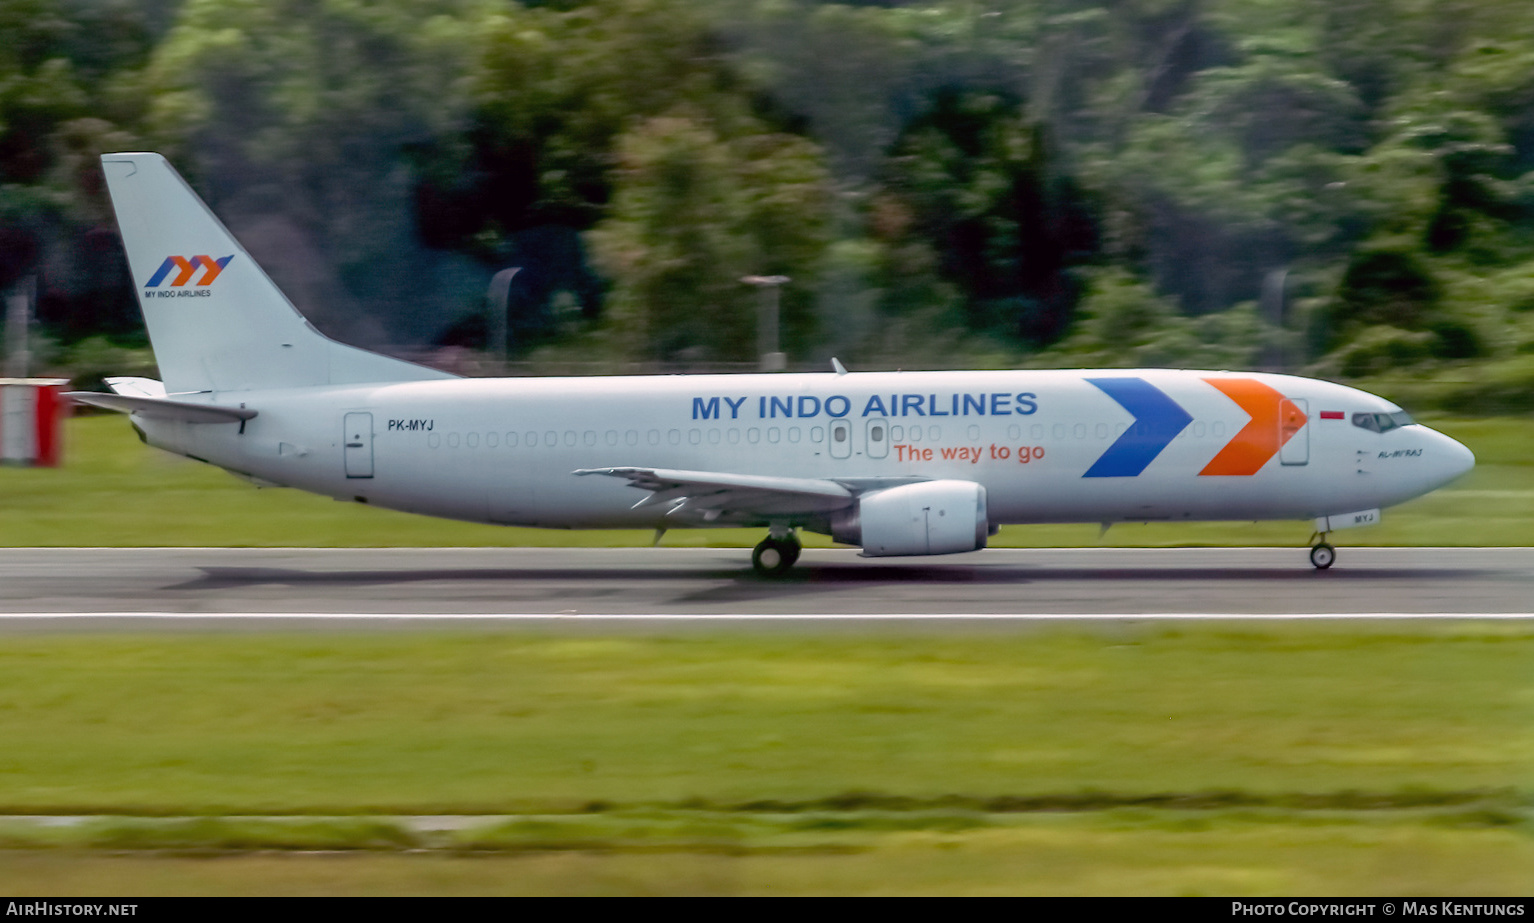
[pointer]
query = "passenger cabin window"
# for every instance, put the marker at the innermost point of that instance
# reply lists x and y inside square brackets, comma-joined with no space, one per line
[1382,422]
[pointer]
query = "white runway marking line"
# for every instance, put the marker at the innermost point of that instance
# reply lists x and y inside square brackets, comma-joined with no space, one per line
[737,617]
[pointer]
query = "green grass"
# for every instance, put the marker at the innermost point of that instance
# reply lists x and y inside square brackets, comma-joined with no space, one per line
[1264,759]
[115,491]
[1259,760]
[517,723]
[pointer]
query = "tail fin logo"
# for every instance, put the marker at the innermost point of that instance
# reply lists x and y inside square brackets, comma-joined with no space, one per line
[185,268]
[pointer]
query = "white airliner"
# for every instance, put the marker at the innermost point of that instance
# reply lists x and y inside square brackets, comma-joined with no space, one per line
[897,463]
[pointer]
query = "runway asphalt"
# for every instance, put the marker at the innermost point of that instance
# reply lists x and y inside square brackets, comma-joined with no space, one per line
[691,584]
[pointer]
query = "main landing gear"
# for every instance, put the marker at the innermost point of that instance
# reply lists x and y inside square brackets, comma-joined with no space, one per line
[1321,553]
[776,553]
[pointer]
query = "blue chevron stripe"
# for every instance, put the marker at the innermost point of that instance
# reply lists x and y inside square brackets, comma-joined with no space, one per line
[1158,420]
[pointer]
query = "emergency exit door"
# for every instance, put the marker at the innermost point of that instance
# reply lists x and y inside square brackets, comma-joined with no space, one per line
[1293,433]
[358,445]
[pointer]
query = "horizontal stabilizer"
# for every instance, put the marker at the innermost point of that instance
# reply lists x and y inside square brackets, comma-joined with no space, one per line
[160,409]
[136,387]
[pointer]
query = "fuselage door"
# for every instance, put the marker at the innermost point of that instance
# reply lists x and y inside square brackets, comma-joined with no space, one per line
[841,438]
[1293,433]
[357,438]
[878,442]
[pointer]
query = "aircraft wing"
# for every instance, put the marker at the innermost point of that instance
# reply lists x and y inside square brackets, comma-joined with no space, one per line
[713,495]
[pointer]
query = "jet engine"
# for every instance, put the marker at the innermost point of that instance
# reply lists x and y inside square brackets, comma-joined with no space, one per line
[930,517]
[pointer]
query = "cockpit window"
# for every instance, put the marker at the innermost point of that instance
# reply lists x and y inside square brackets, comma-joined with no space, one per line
[1382,422]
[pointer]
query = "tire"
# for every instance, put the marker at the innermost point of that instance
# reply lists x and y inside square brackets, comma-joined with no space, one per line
[1322,556]
[791,549]
[773,557]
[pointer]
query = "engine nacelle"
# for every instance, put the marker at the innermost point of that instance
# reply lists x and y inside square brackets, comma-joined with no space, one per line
[931,517]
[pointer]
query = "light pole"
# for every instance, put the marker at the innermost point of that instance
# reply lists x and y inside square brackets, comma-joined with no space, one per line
[1273,306]
[18,317]
[499,296]
[767,321]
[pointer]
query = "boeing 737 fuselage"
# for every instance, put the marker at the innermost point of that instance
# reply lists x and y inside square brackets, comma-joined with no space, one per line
[897,463]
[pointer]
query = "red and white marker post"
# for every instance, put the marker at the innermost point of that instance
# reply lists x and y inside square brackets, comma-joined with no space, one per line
[32,412]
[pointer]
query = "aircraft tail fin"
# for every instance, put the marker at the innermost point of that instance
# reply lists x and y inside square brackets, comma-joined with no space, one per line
[216,321]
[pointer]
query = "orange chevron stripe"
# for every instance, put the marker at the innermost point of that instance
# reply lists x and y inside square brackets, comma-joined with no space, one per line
[211,265]
[1275,419]
[186,266]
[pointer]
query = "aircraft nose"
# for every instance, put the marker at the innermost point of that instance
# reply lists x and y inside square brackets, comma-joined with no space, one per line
[1454,459]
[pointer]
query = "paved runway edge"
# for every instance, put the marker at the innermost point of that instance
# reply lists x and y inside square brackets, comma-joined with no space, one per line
[718,587]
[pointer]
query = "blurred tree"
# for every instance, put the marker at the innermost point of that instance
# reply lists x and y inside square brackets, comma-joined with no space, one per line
[557,89]
[979,184]
[692,214]
[65,69]
[1240,177]
[950,178]
[298,114]
[1124,323]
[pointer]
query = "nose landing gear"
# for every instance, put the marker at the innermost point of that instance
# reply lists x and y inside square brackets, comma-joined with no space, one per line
[776,553]
[1322,554]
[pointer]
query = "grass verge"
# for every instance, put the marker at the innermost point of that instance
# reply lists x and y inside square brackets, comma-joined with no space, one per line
[1264,759]
[1070,854]
[522,723]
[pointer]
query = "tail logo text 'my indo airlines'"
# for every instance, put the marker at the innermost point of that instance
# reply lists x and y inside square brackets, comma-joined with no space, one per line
[185,268]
